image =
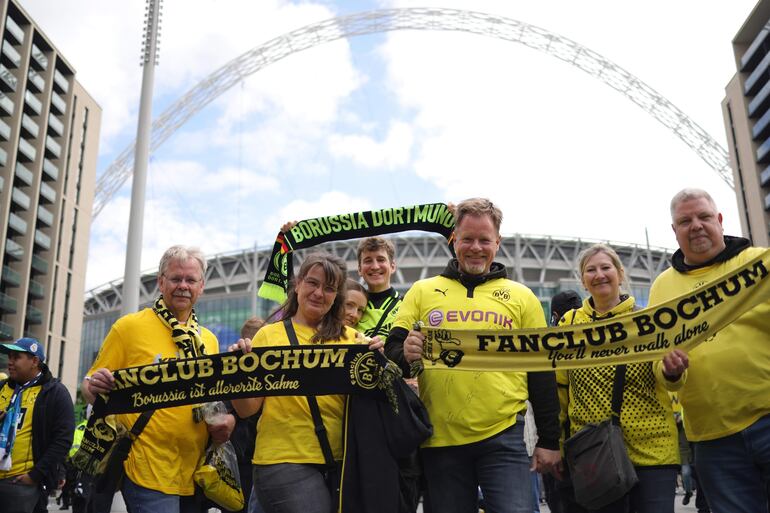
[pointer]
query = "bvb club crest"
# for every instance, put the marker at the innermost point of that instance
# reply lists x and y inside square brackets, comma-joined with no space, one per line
[364,371]
[280,262]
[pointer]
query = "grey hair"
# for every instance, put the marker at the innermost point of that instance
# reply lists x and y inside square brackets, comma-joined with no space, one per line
[182,254]
[690,193]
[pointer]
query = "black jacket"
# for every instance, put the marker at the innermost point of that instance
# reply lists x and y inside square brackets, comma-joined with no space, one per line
[380,471]
[53,426]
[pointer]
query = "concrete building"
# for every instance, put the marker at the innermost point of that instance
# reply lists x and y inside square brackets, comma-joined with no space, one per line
[746,111]
[49,129]
[547,265]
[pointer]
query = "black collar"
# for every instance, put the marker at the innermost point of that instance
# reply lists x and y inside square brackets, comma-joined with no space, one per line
[733,246]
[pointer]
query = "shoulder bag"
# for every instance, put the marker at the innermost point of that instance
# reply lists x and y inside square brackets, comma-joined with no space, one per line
[598,462]
[110,471]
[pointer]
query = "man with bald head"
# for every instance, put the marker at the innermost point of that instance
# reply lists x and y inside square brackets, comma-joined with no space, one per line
[726,396]
[159,468]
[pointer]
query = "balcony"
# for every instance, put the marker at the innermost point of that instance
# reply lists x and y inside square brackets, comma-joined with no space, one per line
[11,277]
[756,78]
[13,28]
[61,82]
[3,160]
[47,193]
[17,224]
[45,215]
[42,240]
[758,104]
[50,170]
[39,60]
[36,290]
[13,250]
[32,102]
[20,198]
[58,103]
[764,177]
[30,127]
[27,150]
[36,80]
[24,174]
[6,104]
[52,148]
[6,331]
[5,130]
[40,265]
[763,152]
[8,81]
[7,303]
[55,124]
[10,56]
[34,315]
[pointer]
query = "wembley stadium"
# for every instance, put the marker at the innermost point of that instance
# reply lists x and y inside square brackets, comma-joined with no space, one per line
[545,264]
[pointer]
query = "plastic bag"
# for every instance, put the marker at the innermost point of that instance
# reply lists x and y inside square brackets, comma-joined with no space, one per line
[217,474]
[219,478]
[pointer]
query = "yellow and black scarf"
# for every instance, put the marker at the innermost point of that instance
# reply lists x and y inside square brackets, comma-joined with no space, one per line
[186,336]
[430,217]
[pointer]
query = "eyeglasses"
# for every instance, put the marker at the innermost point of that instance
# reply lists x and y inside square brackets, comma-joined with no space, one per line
[315,284]
[178,280]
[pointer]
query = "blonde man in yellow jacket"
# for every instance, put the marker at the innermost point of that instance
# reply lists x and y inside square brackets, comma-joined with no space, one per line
[646,418]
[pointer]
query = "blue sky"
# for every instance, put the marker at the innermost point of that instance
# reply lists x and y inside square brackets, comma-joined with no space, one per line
[400,118]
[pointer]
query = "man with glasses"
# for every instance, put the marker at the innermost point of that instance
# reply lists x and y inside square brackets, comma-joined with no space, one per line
[159,469]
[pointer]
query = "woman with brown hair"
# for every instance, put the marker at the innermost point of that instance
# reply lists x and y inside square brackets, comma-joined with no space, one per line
[288,459]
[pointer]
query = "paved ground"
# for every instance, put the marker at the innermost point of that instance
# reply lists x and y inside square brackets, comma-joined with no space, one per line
[119,507]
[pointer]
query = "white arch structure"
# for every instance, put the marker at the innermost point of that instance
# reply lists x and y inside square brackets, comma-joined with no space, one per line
[451,20]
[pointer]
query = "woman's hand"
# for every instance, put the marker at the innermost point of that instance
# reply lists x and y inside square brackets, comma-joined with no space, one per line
[377,344]
[243,345]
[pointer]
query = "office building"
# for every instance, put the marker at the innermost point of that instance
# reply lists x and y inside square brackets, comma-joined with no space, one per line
[49,128]
[746,111]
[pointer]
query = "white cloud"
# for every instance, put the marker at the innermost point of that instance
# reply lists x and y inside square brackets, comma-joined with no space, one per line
[459,113]
[197,37]
[558,150]
[365,151]
[329,203]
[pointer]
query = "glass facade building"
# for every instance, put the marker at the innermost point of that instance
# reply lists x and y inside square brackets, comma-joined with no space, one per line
[49,134]
[746,113]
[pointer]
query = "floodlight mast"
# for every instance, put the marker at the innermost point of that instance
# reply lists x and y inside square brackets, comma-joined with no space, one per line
[149,60]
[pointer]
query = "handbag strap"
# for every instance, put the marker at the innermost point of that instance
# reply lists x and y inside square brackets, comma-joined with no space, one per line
[617,393]
[141,423]
[318,421]
[394,301]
